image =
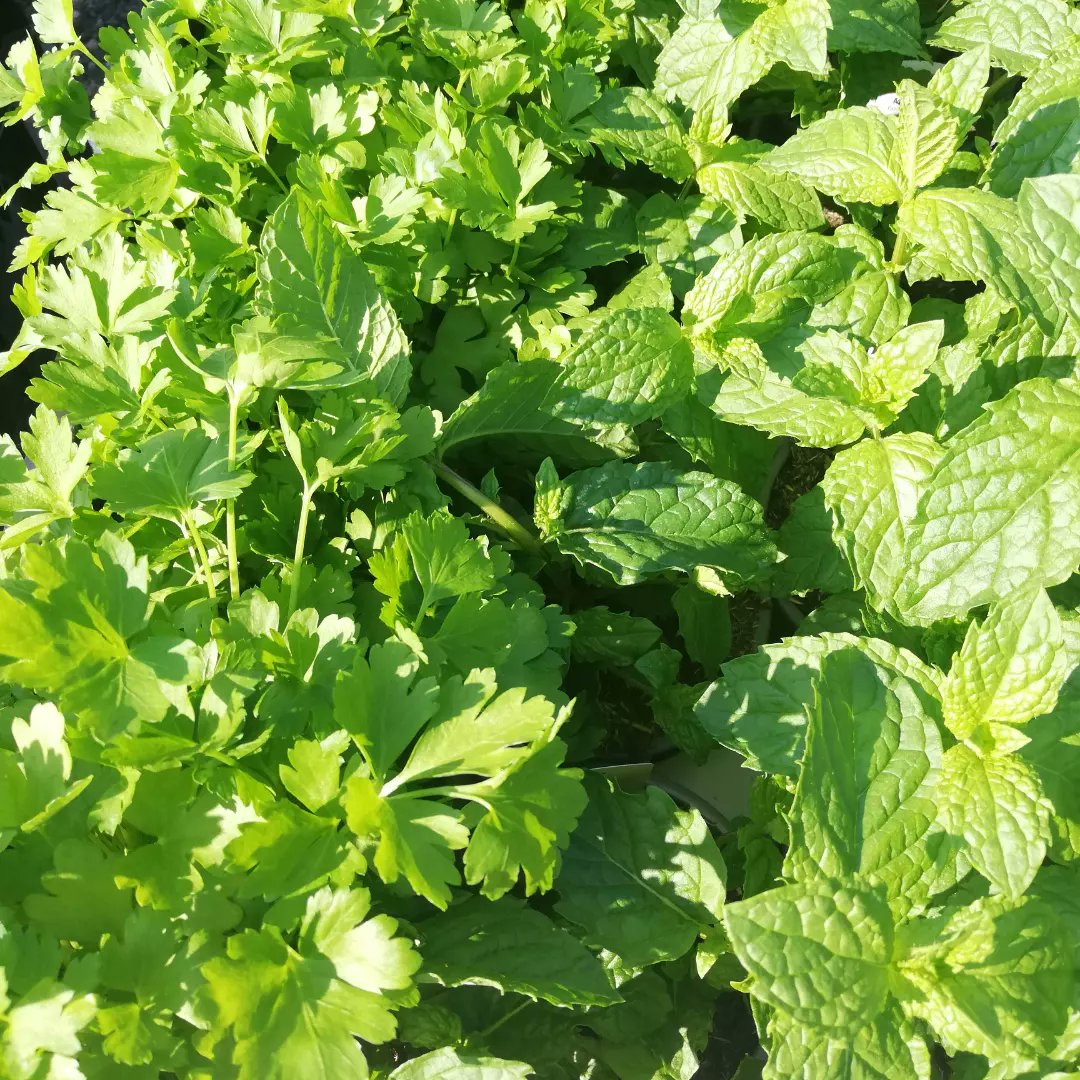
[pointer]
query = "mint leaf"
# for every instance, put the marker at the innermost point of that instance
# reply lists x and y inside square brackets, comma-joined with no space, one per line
[448,1064]
[780,202]
[873,490]
[759,707]
[853,816]
[630,124]
[817,952]
[1010,668]
[988,979]
[994,802]
[517,950]
[890,26]
[636,520]
[847,154]
[1037,135]
[1018,35]
[640,878]
[956,565]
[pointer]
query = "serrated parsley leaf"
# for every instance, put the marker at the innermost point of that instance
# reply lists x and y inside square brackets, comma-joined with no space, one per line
[169,475]
[89,643]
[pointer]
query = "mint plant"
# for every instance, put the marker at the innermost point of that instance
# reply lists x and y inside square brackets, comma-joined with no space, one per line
[445,408]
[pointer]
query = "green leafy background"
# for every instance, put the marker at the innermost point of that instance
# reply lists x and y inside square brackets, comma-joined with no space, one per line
[445,407]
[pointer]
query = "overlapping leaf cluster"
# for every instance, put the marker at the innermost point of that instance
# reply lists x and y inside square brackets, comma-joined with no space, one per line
[443,401]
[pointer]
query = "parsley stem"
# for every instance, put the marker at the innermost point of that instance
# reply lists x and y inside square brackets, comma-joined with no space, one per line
[506,522]
[273,172]
[92,58]
[298,551]
[513,259]
[195,536]
[506,1016]
[230,505]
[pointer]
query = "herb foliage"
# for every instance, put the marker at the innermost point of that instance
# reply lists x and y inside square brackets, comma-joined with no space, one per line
[444,400]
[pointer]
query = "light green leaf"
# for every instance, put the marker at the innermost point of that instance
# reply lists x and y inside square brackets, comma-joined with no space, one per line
[1019,33]
[414,838]
[31,498]
[365,952]
[1050,216]
[759,707]
[633,521]
[1053,754]
[517,399]
[864,806]
[847,154]
[927,137]
[711,59]
[890,1047]
[890,26]
[287,1012]
[994,978]
[42,1027]
[640,877]
[755,282]
[765,401]
[994,802]
[1040,134]
[685,237]
[381,704]
[795,32]
[961,83]
[69,220]
[632,124]
[1010,667]
[1001,511]
[316,288]
[515,949]
[627,366]
[477,730]
[448,1064]
[54,22]
[817,952]
[169,475]
[966,234]
[873,490]
[531,807]
[313,774]
[780,202]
